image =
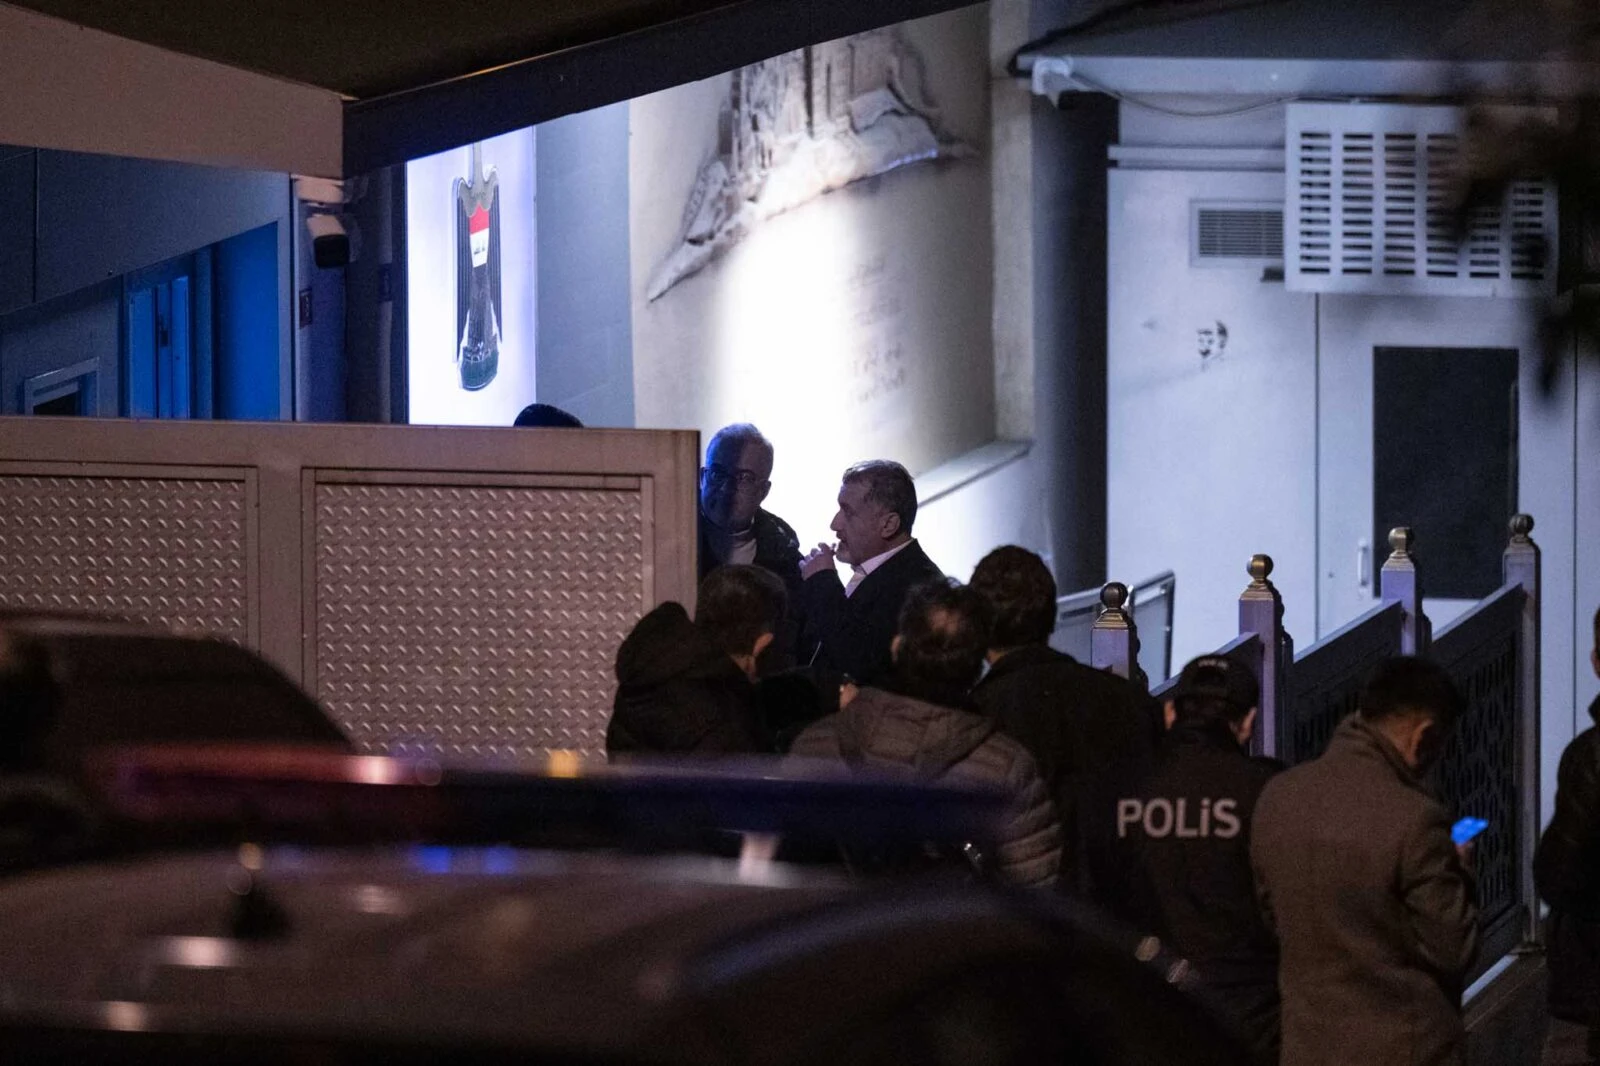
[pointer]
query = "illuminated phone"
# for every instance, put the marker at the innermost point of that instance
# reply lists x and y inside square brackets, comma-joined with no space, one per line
[1467,829]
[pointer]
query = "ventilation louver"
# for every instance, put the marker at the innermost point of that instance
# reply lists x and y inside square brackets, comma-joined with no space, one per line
[1224,233]
[1370,209]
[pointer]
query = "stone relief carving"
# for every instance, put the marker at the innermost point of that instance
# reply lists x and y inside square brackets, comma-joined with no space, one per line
[802,125]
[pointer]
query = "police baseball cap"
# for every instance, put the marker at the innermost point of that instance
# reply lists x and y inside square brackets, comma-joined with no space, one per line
[1212,677]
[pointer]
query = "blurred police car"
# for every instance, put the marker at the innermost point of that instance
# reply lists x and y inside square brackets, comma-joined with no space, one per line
[241,903]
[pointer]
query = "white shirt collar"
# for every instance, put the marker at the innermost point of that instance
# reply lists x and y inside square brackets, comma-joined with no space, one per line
[878,560]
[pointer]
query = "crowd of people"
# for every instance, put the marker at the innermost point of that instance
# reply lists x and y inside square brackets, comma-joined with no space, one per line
[1324,910]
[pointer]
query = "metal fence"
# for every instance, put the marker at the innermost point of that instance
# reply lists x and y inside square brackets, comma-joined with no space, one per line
[1490,769]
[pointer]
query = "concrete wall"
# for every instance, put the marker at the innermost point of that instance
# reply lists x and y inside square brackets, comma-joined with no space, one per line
[1000,506]
[1049,181]
[1069,280]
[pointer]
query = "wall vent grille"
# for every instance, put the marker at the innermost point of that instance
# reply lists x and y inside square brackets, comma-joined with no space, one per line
[1369,195]
[1236,234]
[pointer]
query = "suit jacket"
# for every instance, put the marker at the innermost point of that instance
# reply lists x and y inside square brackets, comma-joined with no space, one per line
[852,634]
[1081,725]
[1376,917]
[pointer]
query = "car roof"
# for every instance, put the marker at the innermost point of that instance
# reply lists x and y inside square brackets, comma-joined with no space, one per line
[535,948]
[583,957]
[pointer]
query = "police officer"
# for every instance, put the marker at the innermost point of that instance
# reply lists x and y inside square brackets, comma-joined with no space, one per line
[1178,839]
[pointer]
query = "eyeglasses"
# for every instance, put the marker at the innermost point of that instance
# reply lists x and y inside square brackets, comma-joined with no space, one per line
[718,474]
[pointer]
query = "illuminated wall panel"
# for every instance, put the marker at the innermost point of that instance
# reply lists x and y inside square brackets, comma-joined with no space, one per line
[470,262]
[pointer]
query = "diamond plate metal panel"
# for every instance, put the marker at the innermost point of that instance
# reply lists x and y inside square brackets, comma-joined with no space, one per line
[474,621]
[169,551]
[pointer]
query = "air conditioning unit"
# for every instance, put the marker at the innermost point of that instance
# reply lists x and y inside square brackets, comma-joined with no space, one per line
[1371,208]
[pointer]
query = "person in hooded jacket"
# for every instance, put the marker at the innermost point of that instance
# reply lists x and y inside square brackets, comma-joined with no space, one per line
[920,722]
[1566,869]
[687,687]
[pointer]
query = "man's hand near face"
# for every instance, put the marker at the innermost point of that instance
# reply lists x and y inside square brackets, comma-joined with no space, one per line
[819,561]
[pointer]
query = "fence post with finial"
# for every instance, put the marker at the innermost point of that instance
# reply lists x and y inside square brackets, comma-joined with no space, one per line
[1114,640]
[1400,582]
[1261,613]
[1521,567]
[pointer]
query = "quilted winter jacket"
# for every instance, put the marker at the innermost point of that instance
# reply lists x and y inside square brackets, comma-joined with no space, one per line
[883,729]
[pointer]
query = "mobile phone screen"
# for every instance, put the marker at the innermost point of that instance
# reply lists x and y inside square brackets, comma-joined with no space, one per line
[1466,829]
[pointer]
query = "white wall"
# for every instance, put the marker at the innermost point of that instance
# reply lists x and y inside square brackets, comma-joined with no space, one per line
[1559,479]
[1568,716]
[1209,461]
[1001,506]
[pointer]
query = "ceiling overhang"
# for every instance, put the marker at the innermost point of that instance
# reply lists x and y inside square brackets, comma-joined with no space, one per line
[81,90]
[1054,75]
[74,87]
[1311,49]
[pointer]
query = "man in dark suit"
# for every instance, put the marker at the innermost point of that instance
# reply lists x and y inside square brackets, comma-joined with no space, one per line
[1089,730]
[851,625]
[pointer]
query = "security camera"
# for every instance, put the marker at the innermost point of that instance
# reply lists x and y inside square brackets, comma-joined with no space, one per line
[330,241]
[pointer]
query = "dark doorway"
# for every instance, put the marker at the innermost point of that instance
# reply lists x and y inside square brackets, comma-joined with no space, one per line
[68,404]
[1445,459]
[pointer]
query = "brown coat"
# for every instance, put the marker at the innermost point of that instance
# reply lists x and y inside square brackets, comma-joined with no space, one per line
[887,730]
[1375,914]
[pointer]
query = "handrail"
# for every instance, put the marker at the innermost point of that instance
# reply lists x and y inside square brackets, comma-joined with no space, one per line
[1162,588]
[1105,618]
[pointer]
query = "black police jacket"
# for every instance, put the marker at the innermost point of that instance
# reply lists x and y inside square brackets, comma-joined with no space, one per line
[1178,843]
[1566,869]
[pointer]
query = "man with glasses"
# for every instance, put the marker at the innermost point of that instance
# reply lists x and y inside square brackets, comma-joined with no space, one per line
[733,526]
